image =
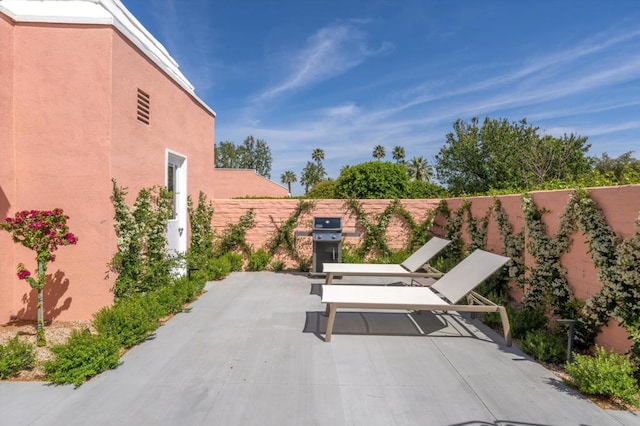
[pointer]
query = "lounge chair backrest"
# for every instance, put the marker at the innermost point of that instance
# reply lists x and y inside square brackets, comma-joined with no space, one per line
[424,254]
[468,274]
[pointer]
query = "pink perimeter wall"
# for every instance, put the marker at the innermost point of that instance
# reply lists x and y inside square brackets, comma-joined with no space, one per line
[269,213]
[620,205]
[72,90]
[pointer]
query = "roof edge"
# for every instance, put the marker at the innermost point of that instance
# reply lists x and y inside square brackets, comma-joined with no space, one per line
[102,12]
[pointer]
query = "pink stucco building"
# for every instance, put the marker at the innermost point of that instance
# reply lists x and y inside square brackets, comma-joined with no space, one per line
[87,94]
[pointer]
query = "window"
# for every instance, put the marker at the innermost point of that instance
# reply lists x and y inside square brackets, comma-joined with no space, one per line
[172,187]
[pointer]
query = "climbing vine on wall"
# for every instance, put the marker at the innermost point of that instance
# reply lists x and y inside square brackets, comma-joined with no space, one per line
[618,264]
[375,227]
[234,237]
[547,286]
[284,236]
[512,244]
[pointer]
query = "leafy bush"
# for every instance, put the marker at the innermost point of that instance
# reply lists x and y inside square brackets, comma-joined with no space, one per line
[168,299]
[304,264]
[259,260]
[373,179]
[218,268]
[15,356]
[545,346]
[235,260]
[607,374]
[323,189]
[350,254]
[277,265]
[526,320]
[129,321]
[420,189]
[83,355]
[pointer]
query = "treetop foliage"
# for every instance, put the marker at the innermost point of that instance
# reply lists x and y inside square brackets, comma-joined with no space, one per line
[499,154]
[252,154]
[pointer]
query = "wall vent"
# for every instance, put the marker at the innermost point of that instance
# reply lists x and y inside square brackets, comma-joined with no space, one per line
[143,107]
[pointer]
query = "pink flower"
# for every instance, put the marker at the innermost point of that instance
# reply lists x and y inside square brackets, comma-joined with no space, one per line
[23,273]
[71,239]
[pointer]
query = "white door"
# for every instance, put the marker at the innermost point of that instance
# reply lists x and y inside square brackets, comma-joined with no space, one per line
[176,179]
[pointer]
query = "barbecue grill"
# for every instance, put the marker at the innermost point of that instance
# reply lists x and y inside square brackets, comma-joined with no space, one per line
[327,241]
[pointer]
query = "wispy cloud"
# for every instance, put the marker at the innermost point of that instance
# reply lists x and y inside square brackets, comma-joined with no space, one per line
[331,51]
[189,39]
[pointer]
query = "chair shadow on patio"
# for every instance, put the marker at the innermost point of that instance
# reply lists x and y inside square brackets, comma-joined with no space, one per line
[424,323]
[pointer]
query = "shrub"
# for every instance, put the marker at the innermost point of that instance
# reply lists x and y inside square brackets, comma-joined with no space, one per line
[304,264]
[218,268]
[350,254]
[373,179]
[129,321]
[258,260]
[277,265]
[607,374]
[545,346]
[168,300]
[83,356]
[526,320]
[15,356]
[235,260]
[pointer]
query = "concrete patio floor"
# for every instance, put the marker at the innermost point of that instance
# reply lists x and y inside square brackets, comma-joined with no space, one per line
[250,352]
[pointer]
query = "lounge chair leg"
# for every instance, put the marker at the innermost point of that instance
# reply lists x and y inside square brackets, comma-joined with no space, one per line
[332,316]
[506,327]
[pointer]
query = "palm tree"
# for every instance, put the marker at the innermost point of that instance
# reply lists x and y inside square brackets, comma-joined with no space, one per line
[288,177]
[419,169]
[399,154]
[378,152]
[317,155]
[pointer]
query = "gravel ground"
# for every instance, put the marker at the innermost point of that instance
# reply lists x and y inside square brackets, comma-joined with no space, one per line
[55,333]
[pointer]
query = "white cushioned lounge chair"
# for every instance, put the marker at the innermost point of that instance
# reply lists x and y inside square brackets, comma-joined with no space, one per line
[444,295]
[408,268]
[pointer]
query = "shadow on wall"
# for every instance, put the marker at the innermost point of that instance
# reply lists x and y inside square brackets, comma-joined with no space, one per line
[57,285]
[4,204]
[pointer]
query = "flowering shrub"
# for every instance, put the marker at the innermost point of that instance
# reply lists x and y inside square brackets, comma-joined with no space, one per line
[42,231]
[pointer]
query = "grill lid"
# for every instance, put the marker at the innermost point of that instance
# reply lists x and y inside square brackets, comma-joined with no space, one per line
[327,224]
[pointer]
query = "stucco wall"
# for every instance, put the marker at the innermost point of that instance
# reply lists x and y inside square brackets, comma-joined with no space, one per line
[620,206]
[7,189]
[231,183]
[269,213]
[74,128]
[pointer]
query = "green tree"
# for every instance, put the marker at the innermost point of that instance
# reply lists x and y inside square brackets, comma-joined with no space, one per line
[256,154]
[503,155]
[373,179]
[624,169]
[318,155]
[419,169]
[399,154]
[379,152]
[311,175]
[288,177]
[226,155]
[550,158]
[324,189]
[252,154]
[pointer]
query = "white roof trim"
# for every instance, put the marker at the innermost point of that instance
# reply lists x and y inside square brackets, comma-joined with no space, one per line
[100,12]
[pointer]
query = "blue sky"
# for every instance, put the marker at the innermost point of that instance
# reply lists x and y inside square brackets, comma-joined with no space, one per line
[347,75]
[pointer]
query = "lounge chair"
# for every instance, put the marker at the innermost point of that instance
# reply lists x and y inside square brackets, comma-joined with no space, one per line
[444,295]
[408,268]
